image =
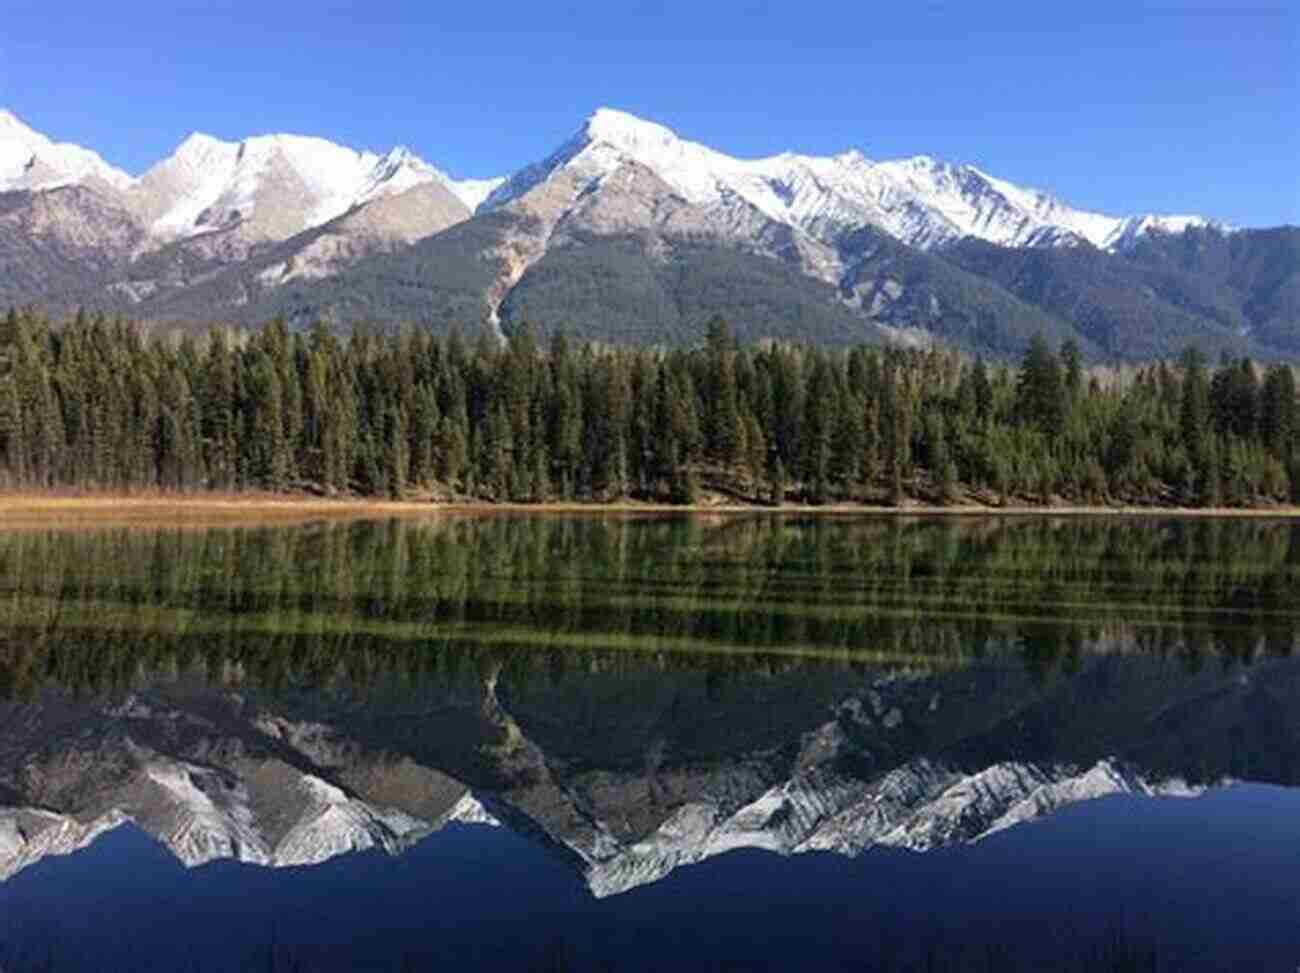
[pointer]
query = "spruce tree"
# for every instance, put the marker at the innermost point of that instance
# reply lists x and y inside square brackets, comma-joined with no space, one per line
[1039,389]
[778,482]
[1278,411]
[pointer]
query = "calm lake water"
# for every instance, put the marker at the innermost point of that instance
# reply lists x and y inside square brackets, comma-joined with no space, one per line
[621,743]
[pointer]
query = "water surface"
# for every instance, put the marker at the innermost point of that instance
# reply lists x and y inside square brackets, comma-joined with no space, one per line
[633,743]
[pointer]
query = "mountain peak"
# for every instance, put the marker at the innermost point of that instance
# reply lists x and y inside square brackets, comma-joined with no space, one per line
[15,131]
[853,157]
[11,123]
[198,145]
[201,139]
[626,131]
[23,150]
[922,200]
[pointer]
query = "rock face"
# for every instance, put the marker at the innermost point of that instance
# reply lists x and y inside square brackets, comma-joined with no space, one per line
[55,239]
[624,795]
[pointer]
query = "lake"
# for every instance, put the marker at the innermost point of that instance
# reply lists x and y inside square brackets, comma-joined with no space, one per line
[749,742]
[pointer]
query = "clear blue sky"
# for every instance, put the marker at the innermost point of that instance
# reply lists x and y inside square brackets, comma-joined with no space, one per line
[1124,107]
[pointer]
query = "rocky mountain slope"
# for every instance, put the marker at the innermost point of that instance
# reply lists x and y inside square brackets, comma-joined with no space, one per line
[837,762]
[77,230]
[626,232]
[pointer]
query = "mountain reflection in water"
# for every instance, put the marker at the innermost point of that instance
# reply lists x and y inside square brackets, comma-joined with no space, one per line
[628,696]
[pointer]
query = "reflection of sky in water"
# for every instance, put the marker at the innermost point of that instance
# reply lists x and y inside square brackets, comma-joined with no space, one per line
[1212,882]
[591,674]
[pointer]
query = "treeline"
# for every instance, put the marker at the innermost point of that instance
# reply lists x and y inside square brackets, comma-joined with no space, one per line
[95,403]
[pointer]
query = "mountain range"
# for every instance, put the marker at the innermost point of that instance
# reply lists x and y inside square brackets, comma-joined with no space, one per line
[839,763]
[629,233]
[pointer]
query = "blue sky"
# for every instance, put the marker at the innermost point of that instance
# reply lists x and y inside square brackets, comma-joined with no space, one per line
[1175,107]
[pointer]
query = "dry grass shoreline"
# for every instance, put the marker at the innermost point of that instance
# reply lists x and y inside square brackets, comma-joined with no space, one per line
[85,510]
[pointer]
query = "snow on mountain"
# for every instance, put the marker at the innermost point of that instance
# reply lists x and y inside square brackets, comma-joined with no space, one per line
[29,835]
[470,810]
[202,827]
[32,161]
[202,814]
[921,201]
[610,138]
[473,192]
[277,185]
[920,806]
[1129,230]
[273,186]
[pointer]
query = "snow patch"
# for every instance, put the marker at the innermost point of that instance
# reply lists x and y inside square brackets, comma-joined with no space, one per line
[919,806]
[920,200]
[32,161]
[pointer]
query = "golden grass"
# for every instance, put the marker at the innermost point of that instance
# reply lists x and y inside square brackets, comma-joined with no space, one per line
[56,510]
[72,510]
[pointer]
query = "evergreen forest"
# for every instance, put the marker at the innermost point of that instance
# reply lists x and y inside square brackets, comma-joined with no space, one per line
[100,404]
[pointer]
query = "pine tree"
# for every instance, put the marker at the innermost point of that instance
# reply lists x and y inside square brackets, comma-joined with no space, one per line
[1194,416]
[397,449]
[983,391]
[541,479]
[453,451]
[755,451]
[1278,410]
[423,434]
[1039,390]
[947,482]
[1072,369]
[13,454]
[778,482]
[722,420]
[897,417]
[217,412]
[267,451]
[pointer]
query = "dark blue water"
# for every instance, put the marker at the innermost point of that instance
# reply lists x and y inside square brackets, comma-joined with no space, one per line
[595,682]
[1205,883]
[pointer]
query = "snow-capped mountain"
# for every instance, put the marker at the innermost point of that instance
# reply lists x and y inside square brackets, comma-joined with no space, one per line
[276,185]
[201,815]
[920,201]
[31,161]
[839,763]
[279,185]
[304,207]
[625,232]
[270,187]
[850,224]
[921,806]
[245,792]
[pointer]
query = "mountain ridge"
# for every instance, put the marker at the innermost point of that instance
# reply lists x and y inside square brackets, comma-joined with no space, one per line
[624,232]
[881,759]
[780,186]
[802,190]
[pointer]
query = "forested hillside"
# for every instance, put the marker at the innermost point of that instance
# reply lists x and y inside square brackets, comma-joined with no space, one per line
[94,403]
[1226,292]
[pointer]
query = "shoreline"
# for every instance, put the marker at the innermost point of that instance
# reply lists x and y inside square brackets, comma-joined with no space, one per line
[88,510]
